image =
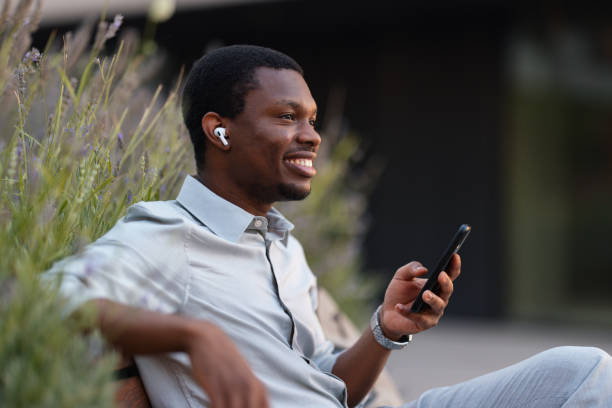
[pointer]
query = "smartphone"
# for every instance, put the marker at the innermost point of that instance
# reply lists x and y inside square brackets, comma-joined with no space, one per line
[432,280]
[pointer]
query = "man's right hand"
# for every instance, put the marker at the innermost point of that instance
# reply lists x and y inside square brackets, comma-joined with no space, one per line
[217,364]
[221,370]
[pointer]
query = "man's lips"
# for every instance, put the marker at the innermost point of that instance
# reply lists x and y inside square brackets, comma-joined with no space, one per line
[301,164]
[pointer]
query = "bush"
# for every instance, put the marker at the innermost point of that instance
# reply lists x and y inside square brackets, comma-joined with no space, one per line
[83,137]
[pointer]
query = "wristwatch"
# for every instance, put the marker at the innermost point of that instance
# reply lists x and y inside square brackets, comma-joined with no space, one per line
[383,340]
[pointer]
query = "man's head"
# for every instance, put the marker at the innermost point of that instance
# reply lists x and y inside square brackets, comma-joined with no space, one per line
[260,97]
[219,81]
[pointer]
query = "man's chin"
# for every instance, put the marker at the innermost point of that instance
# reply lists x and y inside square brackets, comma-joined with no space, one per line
[293,192]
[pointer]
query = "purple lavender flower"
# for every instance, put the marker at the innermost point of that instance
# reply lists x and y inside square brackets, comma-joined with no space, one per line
[120,140]
[117,21]
[20,73]
[35,55]
[112,29]
[32,55]
[130,196]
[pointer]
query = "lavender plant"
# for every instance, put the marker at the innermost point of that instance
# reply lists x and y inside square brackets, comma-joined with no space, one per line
[82,136]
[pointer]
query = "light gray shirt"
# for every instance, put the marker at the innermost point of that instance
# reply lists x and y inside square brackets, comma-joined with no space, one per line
[203,257]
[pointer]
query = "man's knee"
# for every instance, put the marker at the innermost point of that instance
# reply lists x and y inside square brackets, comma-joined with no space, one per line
[574,359]
[577,353]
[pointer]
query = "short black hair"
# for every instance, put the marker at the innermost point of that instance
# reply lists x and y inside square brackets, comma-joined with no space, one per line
[219,81]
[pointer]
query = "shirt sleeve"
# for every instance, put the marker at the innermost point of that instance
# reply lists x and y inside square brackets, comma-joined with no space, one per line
[140,262]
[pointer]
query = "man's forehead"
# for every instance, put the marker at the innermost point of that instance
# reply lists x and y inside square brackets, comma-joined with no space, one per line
[283,87]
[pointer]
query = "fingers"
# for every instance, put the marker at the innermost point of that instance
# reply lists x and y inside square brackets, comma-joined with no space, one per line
[259,396]
[437,303]
[445,279]
[410,271]
[446,286]
[424,320]
[454,267]
[402,299]
[242,392]
[222,371]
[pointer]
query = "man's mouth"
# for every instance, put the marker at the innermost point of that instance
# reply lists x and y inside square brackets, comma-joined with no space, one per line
[301,166]
[301,162]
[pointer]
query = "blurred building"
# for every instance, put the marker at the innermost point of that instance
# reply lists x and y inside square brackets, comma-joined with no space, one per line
[496,114]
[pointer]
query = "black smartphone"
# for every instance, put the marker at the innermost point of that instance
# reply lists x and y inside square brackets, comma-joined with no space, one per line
[432,279]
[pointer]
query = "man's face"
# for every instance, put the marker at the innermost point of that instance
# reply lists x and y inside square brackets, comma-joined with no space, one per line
[273,141]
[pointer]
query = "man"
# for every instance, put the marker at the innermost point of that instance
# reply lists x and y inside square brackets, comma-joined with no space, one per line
[214,296]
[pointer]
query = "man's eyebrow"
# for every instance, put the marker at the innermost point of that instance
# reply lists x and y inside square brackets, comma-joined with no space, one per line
[292,104]
[288,102]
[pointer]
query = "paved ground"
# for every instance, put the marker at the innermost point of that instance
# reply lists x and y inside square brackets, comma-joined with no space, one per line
[457,350]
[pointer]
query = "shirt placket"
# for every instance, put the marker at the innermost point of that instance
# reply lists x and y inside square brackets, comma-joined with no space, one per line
[280,299]
[261,225]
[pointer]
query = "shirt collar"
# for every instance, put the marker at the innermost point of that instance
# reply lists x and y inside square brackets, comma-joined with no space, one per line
[227,220]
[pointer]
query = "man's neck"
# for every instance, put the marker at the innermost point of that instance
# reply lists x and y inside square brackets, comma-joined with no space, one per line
[233,196]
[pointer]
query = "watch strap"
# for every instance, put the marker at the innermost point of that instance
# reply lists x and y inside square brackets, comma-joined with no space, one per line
[380,337]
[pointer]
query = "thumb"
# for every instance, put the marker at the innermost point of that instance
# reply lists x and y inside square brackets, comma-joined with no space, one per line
[410,271]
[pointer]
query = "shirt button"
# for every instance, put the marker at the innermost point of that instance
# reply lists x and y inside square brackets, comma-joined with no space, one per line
[258,223]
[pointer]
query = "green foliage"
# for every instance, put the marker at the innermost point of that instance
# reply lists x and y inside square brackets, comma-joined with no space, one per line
[43,362]
[82,137]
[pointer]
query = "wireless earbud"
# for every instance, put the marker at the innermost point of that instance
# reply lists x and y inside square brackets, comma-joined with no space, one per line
[220,133]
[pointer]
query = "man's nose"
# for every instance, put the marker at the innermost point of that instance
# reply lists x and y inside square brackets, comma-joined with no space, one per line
[308,135]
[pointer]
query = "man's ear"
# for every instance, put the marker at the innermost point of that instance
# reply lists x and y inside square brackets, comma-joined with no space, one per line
[210,122]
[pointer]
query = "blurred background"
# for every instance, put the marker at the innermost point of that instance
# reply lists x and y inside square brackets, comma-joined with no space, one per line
[492,113]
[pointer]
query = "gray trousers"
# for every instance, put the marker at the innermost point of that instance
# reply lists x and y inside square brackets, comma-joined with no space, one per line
[560,377]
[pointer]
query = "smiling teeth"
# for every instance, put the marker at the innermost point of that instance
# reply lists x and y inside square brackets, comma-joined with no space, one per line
[301,162]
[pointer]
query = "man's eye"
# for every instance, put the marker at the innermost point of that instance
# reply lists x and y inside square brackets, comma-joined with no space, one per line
[288,116]
[313,122]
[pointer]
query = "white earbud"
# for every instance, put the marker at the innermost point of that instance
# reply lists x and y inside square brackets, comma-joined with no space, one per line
[220,133]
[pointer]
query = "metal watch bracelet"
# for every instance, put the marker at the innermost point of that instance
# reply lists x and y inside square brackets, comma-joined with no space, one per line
[380,337]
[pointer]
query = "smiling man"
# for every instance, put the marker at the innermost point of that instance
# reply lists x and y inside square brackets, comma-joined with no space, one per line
[214,297]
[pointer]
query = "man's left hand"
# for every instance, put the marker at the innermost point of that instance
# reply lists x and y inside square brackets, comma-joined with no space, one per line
[396,319]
